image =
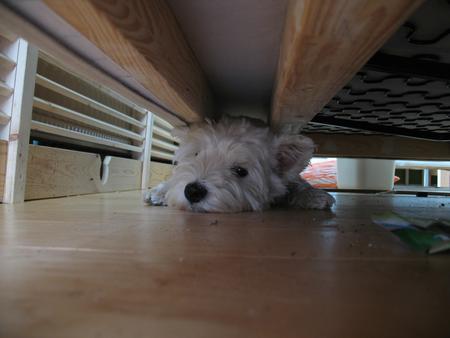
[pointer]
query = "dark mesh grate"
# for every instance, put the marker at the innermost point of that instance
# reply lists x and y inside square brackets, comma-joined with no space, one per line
[405,88]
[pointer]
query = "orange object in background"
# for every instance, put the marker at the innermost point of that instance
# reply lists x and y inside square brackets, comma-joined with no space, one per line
[323,174]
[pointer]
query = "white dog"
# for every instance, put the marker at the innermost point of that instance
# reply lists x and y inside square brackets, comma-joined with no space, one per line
[237,165]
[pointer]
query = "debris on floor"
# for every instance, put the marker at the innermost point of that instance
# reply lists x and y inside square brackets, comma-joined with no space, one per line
[422,234]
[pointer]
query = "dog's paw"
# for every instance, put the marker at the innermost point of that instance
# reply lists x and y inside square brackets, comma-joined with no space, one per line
[314,199]
[319,199]
[155,196]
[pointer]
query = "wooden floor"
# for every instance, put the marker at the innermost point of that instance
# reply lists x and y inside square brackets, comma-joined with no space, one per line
[108,266]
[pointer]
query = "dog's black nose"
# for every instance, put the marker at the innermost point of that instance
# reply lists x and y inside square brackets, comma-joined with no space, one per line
[195,192]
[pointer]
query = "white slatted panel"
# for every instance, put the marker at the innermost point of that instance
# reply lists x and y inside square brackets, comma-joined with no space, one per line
[83,112]
[8,62]
[80,110]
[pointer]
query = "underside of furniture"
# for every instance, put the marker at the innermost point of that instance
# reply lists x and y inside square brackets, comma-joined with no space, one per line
[367,78]
[358,68]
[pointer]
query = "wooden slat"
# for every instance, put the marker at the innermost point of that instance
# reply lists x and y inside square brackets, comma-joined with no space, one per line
[4,118]
[162,123]
[374,146]
[162,155]
[10,21]
[164,145]
[325,42]
[3,159]
[47,128]
[5,90]
[154,51]
[76,116]
[6,62]
[162,132]
[67,92]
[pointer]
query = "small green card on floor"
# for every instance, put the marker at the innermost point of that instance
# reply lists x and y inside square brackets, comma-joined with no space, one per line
[422,234]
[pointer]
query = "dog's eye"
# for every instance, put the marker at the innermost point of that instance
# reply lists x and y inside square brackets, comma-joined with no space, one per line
[196,154]
[239,171]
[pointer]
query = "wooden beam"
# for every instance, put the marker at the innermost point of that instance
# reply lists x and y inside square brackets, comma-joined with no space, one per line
[6,33]
[325,42]
[144,38]
[374,146]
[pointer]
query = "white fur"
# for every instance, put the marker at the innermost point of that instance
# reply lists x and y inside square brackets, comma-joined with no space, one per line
[209,151]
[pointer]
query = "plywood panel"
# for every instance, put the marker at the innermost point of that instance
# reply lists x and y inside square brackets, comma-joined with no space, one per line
[325,42]
[120,174]
[54,172]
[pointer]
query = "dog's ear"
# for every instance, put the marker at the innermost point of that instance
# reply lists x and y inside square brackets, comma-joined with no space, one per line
[293,153]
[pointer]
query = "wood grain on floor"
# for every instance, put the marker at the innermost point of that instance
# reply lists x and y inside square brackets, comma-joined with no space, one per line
[108,266]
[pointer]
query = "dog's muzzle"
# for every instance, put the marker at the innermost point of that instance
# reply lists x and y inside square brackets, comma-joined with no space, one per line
[195,192]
